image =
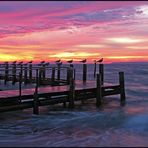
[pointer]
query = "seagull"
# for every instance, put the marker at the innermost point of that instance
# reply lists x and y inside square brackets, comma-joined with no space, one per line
[83,61]
[70,61]
[101,60]
[30,62]
[20,63]
[95,61]
[14,62]
[46,64]
[42,62]
[58,61]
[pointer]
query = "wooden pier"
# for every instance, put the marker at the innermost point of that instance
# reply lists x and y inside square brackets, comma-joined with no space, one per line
[63,91]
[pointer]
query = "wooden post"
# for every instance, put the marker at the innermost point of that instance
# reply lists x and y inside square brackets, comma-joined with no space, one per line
[68,75]
[30,72]
[122,89]
[20,86]
[64,104]
[58,71]
[13,73]
[84,72]
[74,74]
[71,90]
[71,65]
[21,68]
[95,69]
[40,75]
[44,71]
[53,75]
[25,75]
[35,98]
[101,71]
[98,91]
[6,72]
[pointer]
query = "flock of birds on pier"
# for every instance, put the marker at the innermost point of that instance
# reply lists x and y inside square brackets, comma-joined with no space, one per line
[58,62]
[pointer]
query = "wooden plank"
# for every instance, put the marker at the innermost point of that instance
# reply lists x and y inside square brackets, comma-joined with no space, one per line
[111,92]
[16,107]
[111,87]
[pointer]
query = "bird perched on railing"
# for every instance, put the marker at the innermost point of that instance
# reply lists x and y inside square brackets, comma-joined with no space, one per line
[30,62]
[101,60]
[20,63]
[70,61]
[83,61]
[59,64]
[95,61]
[42,62]
[57,61]
[5,62]
[14,62]
[46,64]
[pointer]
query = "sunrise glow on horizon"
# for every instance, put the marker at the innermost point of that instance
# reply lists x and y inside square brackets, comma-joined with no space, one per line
[51,30]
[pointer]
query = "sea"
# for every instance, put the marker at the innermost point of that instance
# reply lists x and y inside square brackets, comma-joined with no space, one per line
[86,125]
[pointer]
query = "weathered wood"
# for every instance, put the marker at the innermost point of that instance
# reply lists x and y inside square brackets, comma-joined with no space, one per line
[58,71]
[68,73]
[71,90]
[71,65]
[30,72]
[122,89]
[101,71]
[44,71]
[25,75]
[35,98]
[13,73]
[55,95]
[52,96]
[68,76]
[64,104]
[95,69]
[6,73]
[53,75]
[20,86]
[84,72]
[40,76]
[74,74]
[21,68]
[98,91]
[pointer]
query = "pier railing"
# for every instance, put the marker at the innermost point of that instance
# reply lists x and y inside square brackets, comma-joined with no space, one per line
[49,75]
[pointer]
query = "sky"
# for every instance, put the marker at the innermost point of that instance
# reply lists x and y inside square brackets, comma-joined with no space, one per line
[51,30]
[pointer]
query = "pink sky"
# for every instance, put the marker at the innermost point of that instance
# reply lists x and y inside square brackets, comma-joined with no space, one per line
[48,30]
